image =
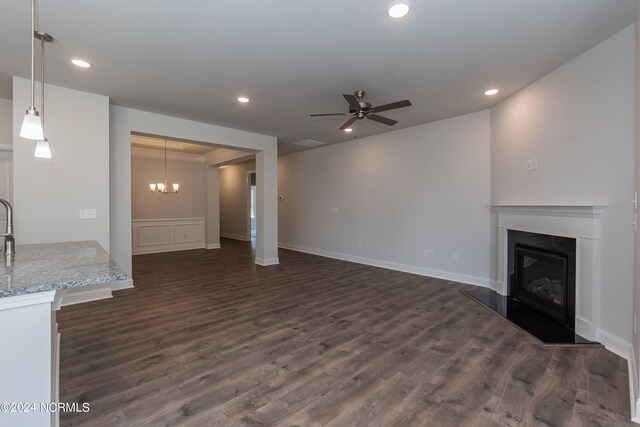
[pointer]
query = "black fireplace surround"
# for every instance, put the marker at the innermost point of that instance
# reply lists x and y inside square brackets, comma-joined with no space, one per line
[542,274]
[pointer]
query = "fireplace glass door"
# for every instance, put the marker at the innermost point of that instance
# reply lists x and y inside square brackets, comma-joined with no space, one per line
[541,281]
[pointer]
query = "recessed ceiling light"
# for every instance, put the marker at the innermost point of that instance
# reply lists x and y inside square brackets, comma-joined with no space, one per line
[398,9]
[348,130]
[79,62]
[491,92]
[243,99]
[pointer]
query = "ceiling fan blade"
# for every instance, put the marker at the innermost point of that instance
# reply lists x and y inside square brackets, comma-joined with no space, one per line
[380,119]
[392,106]
[328,114]
[348,123]
[354,104]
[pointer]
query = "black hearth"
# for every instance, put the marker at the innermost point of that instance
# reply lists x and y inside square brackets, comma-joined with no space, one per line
[542,274]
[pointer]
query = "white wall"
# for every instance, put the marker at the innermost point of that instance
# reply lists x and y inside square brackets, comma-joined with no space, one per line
[123,121]
[49,192]
[578,121]
[6,122]
[396,194]
[234,198]
[212,211]
[188,171]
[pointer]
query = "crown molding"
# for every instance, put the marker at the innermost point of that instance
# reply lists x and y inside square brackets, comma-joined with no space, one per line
[171,155]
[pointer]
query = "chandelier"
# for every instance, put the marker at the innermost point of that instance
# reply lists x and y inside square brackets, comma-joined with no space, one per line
[161,187]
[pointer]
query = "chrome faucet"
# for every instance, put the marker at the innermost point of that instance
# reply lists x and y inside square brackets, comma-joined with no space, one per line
[9,241]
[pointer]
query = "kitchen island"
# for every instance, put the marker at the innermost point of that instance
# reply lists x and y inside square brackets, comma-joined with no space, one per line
[33,285]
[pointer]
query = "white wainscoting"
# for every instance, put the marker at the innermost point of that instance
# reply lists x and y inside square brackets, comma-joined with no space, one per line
[150,236]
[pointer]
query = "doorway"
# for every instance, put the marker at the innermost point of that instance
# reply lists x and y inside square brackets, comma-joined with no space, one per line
[252,204]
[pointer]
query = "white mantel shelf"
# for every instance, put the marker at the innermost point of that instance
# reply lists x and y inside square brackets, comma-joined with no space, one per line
[585,211]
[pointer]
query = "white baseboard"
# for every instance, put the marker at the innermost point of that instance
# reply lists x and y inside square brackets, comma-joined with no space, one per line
[167,248]
[493,285]
[85,295]
[212,246]
[235,237]
[267,262]
[439,274]
[614,344]
[121,284]
[94,293]
[633,387]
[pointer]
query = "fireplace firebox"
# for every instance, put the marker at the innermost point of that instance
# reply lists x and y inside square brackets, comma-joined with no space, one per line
[542,274]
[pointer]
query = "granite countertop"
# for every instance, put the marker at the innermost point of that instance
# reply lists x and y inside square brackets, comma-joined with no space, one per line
[56,266]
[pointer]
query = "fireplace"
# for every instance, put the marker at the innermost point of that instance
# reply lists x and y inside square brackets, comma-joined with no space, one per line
[542,274]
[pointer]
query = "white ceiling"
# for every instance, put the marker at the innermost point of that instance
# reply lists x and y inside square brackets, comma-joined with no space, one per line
[192,58]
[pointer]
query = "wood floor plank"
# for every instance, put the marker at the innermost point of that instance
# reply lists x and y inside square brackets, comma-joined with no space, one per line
[208,338]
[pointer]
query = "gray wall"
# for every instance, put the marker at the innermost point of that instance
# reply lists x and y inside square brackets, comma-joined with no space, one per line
[578,121]
[188,203]
[234,198]
[6,122]
[385,199]
[48,193]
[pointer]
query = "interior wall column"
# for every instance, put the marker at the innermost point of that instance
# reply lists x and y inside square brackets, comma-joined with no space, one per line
[267,207]
[212,208]
[636,293]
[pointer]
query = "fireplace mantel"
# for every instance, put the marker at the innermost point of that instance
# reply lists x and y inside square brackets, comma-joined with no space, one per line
[581,222]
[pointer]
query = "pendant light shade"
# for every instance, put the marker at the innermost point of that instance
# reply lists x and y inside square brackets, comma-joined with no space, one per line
[42,149]
[32,126]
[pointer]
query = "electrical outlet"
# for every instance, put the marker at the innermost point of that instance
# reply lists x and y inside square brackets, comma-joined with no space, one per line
[529,165]
[87,213]
[534,164]
[454,256]
[429,253]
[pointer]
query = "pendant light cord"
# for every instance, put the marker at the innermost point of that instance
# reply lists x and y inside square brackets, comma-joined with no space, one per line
[33,54]
[42,84]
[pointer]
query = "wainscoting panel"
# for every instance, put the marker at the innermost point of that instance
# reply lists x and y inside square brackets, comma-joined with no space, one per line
[166,235]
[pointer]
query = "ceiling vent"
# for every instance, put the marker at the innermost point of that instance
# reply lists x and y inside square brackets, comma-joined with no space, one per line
[309,143]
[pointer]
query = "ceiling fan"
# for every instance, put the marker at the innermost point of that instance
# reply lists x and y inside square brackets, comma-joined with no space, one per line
[360,109]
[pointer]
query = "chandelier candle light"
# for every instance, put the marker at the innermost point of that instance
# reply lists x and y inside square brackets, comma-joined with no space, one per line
[42,146]
[161,187]
[31,124]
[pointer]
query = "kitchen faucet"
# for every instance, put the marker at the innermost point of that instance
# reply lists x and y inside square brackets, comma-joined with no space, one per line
[9,241]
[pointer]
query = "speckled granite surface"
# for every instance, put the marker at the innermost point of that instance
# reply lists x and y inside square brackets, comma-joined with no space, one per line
[54,266]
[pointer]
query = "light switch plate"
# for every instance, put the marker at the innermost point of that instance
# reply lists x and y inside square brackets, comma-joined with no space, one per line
[87,213]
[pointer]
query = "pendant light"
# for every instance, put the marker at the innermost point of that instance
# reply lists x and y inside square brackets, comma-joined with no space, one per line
[31,124]
[161,187]
[43,150]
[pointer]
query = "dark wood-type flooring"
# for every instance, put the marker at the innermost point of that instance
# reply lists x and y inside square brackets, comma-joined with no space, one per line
[207,338]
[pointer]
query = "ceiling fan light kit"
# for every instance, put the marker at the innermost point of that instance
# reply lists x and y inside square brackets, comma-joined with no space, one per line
[360,109]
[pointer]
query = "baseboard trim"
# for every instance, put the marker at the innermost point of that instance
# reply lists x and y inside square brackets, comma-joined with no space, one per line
[235,237]
[121,284]
[439,274]
[614,344]
[88,295]
[213,246]
[166,248]
[267,262]
[633,387]
[94,293]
